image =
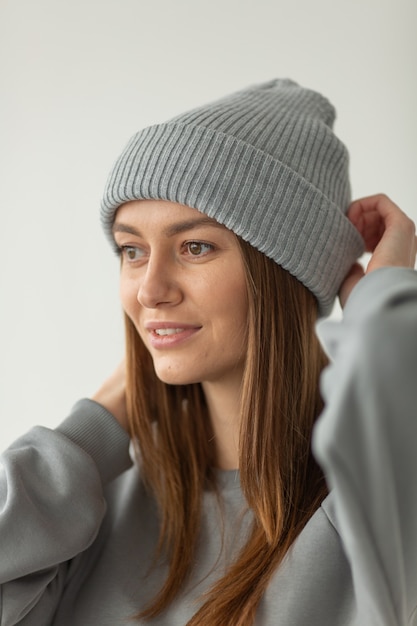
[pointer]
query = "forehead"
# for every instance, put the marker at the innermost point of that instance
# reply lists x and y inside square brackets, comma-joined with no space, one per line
[164,215]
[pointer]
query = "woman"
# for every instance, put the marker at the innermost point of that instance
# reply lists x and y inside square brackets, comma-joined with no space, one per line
[231,226]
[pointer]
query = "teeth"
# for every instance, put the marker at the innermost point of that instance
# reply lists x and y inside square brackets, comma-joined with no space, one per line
[168,331]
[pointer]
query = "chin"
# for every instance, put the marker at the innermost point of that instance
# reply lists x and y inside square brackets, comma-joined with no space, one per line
[172,377]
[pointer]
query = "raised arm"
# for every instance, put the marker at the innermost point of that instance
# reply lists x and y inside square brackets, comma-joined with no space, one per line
[366,438]
[52,507]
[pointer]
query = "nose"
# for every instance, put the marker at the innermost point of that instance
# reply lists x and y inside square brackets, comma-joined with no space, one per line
[159,285]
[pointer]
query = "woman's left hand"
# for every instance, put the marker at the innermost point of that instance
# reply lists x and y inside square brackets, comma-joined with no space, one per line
[112,395]
[388,234]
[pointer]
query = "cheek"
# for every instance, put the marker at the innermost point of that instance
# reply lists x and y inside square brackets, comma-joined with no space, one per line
[234,306]
[130,305]
[128,296]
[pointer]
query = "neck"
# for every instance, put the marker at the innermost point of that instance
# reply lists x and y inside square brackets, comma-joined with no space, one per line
[223,403]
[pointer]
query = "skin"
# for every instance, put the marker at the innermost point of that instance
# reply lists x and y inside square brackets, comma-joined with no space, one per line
[389,236]
[183,285]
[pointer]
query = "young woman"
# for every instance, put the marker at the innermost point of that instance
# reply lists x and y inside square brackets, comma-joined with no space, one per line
[242,501]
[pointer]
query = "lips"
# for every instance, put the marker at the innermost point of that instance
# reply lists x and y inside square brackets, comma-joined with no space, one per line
[169,334]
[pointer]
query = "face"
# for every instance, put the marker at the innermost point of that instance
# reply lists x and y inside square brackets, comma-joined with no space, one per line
[183,286]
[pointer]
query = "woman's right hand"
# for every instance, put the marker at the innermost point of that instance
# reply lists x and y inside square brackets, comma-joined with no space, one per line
[112,395]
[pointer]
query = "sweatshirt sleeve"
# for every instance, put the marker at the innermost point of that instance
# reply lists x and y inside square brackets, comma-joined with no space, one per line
[52,506]
[366,442]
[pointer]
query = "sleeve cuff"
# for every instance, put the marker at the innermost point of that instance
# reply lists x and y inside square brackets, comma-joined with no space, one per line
[375,292]
[98,433]
[379,289]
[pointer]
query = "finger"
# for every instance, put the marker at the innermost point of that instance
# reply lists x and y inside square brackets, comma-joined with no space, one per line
[379,203]
[355,274]
[413,258]
[367,219]
[375,215]
[372,228]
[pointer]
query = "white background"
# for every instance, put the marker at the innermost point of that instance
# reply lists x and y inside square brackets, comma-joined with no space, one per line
[79,77]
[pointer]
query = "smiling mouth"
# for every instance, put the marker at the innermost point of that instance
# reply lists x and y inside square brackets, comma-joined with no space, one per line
[168,331]
[161,337]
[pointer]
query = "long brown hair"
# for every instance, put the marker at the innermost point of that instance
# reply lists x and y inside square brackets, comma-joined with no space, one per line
[281,481]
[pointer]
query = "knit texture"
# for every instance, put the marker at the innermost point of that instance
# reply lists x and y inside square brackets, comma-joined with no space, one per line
[265,163]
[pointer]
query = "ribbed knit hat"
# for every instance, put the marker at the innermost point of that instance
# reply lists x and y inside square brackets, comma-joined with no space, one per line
[265,163]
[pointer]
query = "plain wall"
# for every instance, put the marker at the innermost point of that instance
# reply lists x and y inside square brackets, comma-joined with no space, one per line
[78,77]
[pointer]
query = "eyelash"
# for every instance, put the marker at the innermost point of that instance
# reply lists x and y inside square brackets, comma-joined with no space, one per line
[122,250]
[188,244]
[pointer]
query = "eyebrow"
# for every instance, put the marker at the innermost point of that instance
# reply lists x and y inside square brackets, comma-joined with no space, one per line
[172,229]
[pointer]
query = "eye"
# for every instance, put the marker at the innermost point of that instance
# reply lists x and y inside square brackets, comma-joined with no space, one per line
[198,248]
[131,253]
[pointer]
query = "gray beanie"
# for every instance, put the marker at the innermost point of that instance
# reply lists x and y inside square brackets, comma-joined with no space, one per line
[265,163]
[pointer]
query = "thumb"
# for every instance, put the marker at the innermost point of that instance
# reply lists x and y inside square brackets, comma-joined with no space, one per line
[355,274]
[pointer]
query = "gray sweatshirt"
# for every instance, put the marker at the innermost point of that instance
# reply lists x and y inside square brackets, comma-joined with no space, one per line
[78,529]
